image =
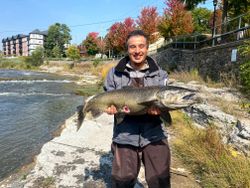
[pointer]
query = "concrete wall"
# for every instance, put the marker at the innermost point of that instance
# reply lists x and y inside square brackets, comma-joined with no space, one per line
[210,62]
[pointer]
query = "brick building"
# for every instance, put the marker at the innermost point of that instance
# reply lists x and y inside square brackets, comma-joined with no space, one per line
[23,45]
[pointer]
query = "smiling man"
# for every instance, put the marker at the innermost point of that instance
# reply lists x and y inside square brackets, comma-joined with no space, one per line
[138,138]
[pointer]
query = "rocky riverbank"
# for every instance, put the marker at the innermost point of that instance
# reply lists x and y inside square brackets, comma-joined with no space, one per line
[83,158]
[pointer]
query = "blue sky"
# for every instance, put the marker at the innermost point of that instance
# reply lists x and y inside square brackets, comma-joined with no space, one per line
[82,16]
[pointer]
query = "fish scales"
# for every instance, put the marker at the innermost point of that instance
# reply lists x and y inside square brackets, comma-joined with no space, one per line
[136,101]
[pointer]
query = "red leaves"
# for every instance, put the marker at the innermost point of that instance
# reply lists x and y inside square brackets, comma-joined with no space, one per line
[118,33]
[148,22]
[176,20]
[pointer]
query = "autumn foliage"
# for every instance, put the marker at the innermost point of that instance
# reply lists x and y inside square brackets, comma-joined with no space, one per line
[176,20]
[148,22]
[218,21]
[118,33]
[92,43]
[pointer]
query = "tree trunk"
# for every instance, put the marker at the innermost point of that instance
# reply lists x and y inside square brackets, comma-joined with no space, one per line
[224,16]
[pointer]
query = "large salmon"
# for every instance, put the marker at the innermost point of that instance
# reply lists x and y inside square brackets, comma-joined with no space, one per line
[136,101]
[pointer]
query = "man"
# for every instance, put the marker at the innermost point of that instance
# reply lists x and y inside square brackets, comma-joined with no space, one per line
[138,138]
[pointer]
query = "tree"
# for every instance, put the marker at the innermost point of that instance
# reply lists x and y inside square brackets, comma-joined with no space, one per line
[90,43]
[191,4]
[230,8]
[236,7]
[218,21]
[73,53]
[58,35]
[201,18]
[245,66]
[117,35]
[56,52]
[233,8]
[101,44]
[36,58]
[148,22]
[176,20]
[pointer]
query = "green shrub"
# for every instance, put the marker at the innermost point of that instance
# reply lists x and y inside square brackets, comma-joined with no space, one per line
[36,58]
[73,53]
[245,75]
[96,62]
[13,63]
[245,66]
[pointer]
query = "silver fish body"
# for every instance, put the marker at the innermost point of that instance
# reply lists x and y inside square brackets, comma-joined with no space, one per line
[137,101]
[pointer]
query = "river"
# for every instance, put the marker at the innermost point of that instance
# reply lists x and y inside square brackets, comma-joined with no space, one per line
[32,106]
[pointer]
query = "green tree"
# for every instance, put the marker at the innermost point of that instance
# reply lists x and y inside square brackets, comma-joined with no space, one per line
[191,4]
[91,43]
[233,8]
[36,58]
[56,52]
[201,17]
[245,66]
[58,35]
[73,53]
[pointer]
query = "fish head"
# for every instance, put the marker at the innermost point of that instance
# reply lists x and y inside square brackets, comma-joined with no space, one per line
[176,97]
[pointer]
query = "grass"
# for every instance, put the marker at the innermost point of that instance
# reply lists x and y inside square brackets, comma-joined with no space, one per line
[98,68]
[16,63]
[193,75]
[239,109]
[236,108]
[48,182]
[88,90]
[214,163]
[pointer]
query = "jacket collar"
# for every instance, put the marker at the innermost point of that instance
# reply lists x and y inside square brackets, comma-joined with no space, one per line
[121,66]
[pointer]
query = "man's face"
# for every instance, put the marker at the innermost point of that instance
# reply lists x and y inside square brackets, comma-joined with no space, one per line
[137,49]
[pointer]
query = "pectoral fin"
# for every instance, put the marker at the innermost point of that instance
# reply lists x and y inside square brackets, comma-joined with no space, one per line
[119,118]
[166,117]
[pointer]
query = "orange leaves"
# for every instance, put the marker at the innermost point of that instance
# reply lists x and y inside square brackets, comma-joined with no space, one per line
[148,22]
[118,33]
[176,20]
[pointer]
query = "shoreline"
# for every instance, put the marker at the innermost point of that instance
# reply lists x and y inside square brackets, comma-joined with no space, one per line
[27,167]
[20,173]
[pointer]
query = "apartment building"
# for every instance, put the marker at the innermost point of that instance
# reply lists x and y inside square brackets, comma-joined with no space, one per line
[23,45]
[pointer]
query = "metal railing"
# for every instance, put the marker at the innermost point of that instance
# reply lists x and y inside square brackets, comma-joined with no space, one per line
[234,29]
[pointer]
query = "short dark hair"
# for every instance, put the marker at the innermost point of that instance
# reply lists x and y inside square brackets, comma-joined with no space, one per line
[137,32]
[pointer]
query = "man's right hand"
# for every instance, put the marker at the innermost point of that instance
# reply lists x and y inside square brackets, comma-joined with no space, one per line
[111,110]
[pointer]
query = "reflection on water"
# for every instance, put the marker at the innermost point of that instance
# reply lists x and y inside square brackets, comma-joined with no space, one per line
[30,110]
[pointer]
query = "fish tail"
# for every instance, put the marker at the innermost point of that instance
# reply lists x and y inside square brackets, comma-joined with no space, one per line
[80,116]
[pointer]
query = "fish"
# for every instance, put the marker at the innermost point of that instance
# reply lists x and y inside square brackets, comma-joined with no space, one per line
[136,101]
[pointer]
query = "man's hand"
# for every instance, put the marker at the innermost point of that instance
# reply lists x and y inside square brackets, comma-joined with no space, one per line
[154,111]
[111,110]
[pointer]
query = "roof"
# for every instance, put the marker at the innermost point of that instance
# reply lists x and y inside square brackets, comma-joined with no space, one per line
[45,32]
[37,31]
[21,35]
